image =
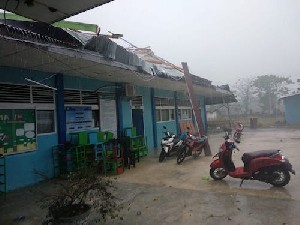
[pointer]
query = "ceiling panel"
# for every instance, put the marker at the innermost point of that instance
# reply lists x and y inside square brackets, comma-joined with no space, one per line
[49,11]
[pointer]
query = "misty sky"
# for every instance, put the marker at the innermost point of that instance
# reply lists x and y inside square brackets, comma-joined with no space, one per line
[221,40]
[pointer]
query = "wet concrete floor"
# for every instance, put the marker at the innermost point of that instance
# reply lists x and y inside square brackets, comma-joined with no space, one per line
[167,193]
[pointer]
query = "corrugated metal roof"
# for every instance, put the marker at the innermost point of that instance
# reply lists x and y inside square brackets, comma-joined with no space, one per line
[97,56]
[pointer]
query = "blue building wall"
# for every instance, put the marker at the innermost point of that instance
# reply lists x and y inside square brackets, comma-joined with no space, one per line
[14,75]
[292,109]
[201,103]
[23,168]
[126,113]
[171,125]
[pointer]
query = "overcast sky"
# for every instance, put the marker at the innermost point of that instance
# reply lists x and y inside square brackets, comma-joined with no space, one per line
[221,40]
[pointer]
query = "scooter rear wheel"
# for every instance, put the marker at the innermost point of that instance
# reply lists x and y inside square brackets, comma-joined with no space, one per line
[218,173]
[281,177]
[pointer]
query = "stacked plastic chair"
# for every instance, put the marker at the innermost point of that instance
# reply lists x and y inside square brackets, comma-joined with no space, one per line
[114,157]
[79,152]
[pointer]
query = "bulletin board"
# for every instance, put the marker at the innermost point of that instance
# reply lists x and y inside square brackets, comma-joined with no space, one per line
[17,130]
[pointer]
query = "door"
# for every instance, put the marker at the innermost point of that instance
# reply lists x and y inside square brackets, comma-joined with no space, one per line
[138,121]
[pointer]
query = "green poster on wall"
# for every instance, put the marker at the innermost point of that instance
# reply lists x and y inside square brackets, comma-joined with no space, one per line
[17,130]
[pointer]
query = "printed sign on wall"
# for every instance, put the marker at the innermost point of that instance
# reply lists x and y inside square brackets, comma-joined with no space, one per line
[79,118]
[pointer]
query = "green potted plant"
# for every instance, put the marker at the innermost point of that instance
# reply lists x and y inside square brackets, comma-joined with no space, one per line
[80,196]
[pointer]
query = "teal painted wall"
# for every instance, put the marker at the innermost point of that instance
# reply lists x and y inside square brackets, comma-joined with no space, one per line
[163,93]
[170,125]
[292,110]
[85,84]
[21,168]
[201,103]
[14,75]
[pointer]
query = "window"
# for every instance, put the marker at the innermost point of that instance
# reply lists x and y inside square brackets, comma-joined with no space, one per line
[158,117]
[165,109]
[185,114]
[172,114]
[165,114]
[137,102]
[45,121]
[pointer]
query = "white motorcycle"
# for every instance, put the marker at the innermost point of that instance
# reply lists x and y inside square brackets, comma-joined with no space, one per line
[169,145]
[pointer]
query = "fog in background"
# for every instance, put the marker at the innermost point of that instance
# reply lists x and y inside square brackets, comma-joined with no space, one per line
[221,40]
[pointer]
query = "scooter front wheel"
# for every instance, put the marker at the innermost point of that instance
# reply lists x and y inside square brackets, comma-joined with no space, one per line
[180,155]
[162,156]
[218,173]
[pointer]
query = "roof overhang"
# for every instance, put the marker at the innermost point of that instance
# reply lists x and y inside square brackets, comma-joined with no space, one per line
[83,63]
[289,96]
[49,11]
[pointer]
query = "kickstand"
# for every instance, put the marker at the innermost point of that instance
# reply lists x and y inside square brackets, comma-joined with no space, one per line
[242,182]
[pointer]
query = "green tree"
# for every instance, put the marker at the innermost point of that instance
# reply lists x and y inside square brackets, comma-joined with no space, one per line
[244,91]
[269,88]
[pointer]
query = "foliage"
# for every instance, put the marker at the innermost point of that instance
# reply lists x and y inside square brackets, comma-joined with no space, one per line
[268,88]
[78,190]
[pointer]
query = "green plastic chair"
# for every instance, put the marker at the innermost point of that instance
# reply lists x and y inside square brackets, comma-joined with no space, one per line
[109,135]
[82,138]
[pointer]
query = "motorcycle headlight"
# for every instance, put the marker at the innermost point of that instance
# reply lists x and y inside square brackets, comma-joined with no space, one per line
[284,159]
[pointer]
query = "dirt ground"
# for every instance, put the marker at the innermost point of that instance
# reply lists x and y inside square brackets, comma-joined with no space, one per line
[167,193]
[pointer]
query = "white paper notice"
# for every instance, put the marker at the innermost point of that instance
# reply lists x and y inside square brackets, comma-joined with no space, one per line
[29,126]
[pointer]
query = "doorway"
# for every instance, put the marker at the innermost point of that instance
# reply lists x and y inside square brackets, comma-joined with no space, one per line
[138,121]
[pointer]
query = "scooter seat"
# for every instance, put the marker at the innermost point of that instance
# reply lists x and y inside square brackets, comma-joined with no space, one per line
[247,157]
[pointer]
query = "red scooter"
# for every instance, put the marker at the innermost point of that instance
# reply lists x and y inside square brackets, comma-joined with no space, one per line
[268,166]
[192,146]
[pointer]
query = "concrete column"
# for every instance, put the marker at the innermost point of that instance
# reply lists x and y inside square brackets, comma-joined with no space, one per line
[60,108]
[119,112]
[153,112]
[176,112]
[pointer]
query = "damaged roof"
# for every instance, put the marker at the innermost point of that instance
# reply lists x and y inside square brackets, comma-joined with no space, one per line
[53,49]
[49,11]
